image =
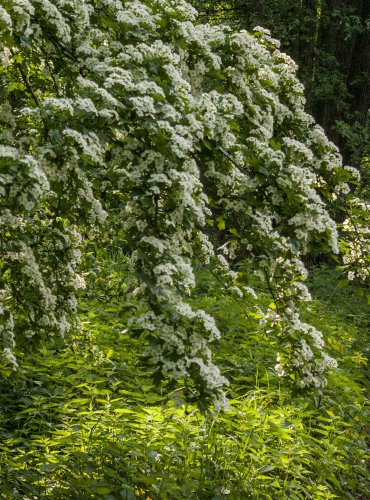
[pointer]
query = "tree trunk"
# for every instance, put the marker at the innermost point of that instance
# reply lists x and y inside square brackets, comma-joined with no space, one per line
[341,79]
[359,71]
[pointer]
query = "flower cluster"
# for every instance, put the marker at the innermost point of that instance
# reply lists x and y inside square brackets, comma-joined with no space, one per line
[186,121]
[355,245]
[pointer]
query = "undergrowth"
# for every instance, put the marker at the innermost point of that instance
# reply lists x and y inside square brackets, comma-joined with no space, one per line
[85,419]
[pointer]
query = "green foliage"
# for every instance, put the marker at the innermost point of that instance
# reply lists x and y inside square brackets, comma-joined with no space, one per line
[357,140]
[135,117]
[355,245]
[179,158]
[329,40]
[84,418]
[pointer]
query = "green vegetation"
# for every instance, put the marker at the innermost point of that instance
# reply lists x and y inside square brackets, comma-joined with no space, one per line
[85,419]
[330,42]
[163,191]
[190,141]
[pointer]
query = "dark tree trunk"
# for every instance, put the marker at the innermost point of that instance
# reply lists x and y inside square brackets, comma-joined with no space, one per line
[342,64]
[309,24]
[359,70]
[330,41]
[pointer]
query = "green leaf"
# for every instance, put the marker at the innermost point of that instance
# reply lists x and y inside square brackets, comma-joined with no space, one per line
[233,231]
[221,224]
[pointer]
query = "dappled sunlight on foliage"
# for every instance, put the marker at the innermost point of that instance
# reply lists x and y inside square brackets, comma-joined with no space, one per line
[89,421]
[161,188]
[135,109]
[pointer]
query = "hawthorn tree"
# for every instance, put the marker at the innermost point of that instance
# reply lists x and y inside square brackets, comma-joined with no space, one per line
[186,121]
[329,40]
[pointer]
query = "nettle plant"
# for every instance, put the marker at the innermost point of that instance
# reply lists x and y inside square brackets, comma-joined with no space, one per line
[186,121]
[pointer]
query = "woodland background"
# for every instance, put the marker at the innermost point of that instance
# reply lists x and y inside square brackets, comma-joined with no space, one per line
[330,42]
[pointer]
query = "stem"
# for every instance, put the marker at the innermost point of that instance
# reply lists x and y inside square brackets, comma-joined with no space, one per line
[25,81]
[31,92]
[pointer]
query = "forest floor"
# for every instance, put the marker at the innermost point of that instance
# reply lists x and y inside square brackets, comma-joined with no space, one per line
[84,418]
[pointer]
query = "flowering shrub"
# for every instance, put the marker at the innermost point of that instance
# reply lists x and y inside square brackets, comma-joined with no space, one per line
[355,244]
[186,121]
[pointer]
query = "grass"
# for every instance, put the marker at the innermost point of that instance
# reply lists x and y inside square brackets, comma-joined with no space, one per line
[84,418]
